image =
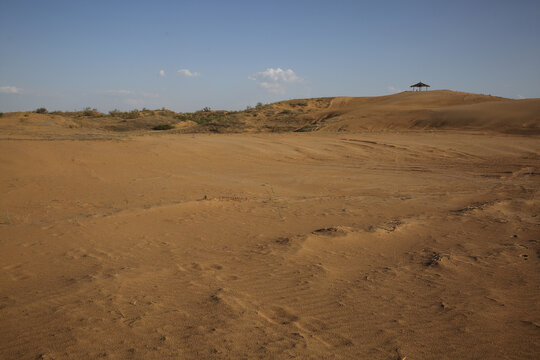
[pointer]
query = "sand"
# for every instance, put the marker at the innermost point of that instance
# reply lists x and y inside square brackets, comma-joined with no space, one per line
[386,245]
[405,111]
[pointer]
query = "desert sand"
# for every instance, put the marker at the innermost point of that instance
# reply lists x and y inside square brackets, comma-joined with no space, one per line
[397,227]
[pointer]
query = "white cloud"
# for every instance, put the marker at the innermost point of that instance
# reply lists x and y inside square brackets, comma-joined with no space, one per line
[520,97]
[187,73]
[118,92]
[162,73]
[392,89]
[275,88]
[276,75]
[10,90]
[274,80]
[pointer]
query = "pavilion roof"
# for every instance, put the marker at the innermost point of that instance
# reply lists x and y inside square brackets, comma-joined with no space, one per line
[420,84]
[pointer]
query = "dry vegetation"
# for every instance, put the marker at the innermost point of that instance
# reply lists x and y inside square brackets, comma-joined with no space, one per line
[432,110]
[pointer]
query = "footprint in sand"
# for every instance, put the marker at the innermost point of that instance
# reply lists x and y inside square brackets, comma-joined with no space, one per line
[278,315]
[201,267]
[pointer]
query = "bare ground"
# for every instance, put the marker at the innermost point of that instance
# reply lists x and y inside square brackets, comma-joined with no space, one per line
[391,245]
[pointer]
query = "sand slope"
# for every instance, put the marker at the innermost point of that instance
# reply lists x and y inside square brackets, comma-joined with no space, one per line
[406,111]
[271,246]
[433,110]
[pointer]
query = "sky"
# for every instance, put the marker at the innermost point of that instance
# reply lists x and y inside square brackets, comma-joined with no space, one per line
[228,54]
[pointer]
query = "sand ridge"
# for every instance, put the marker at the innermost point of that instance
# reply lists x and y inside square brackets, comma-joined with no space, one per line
[406,111]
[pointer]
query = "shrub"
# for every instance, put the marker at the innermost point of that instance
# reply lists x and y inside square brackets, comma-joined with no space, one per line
[259,105]
[115,112]
[133,114]
[125,114]
[286,111]
[298,103]
[90,112]
[206,109]
[41,110]
[163,127]
[1,114]
[203,117]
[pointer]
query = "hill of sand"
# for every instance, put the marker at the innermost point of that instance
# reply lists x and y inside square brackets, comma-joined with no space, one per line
[432,110]
[338,243]
[429,110]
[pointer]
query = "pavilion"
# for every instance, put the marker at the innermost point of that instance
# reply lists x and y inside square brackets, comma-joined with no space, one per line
[419,86]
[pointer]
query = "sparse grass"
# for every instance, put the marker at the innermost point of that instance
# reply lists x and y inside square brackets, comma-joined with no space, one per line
[279,117]
[163,127]
[90,112]
[204,117]
[133,114]
[298,103]
[86,112]
[307,128]
[115,112]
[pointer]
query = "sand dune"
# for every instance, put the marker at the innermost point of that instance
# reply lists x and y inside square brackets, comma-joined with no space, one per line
[406,111]
[366,245]
[431,110]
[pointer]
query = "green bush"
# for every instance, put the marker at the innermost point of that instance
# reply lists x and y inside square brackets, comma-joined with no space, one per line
[125,114]
[163,127]
[90,112]
[41,110]
[115,112]
[203,117]
[133,114]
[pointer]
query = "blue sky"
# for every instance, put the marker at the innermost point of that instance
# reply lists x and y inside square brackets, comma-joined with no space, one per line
[185,55]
